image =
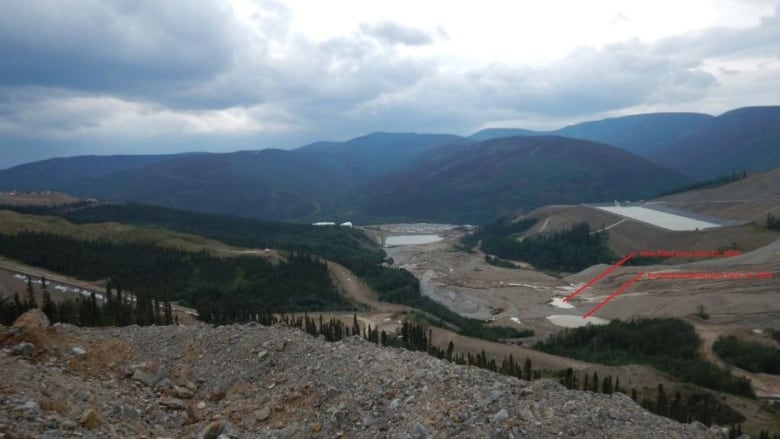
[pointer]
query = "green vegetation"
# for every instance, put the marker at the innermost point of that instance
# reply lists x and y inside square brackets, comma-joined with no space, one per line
[772,222]
[498,262]
[116,310]
[344,245]
[670,345]
[573,249]
[493,234]
[686,405]
[223,299]
[751,356]
[223,290]
[708,184]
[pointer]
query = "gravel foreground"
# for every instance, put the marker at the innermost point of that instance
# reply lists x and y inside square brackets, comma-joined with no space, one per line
[250,381]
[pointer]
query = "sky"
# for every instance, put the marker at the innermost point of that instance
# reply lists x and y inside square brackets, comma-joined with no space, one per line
[164,76]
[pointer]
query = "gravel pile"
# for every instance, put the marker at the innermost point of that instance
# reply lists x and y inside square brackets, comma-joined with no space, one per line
[251,381]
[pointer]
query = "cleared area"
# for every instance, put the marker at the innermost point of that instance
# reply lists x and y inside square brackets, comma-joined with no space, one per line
[568,321]
[668,221]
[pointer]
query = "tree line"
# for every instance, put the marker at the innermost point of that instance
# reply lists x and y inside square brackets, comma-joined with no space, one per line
[772,222]
[572,249]
[698,406]
[708,184]
[668,344]
[115,308]
[751,356]
[224,289]
[415,335]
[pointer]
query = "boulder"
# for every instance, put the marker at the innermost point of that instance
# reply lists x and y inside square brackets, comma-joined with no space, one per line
[173,404]
[182,392]
[218,429]
[23,348]
[33,318]
[89,419]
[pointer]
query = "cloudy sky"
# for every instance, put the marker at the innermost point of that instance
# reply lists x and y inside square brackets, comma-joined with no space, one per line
[161,76]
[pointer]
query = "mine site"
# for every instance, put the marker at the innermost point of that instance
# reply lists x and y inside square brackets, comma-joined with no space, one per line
[396,220]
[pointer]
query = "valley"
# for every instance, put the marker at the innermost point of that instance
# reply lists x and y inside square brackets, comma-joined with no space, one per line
[400,266]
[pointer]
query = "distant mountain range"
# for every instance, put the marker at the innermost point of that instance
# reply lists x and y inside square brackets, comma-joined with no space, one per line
[698,145]
[442,177]
[469,181]
[641,134]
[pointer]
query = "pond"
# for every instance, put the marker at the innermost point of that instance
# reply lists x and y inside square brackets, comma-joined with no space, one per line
[411,240]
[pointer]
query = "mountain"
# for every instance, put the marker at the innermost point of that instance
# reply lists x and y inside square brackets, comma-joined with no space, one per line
[496,133]
[744,139]
[641,134]
[60,172]
[474,182]
[270,183]
[379,153]
[375,177]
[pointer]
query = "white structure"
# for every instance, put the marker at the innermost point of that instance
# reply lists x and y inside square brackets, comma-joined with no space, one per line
[324,223]
[346,224]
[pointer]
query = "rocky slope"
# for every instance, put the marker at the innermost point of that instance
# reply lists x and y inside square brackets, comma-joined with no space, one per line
[252,381]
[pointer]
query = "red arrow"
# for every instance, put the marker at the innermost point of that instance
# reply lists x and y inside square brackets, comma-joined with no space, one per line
[622,288]
[597,278]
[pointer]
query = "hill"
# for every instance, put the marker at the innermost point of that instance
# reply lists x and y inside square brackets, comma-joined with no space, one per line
[746,139]
[59,173]
[303,184]
[254,381]
[411,176]
[379,153]
[749,199]
[497,133]
[641,134]
[472,183]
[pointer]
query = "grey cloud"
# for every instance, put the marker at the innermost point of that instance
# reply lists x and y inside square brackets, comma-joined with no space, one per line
[588,81]
[760,40]
[393,33]
[132,47]
[164,55]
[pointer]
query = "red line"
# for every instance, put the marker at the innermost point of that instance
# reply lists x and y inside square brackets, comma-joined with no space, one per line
[597,278]
[622,288]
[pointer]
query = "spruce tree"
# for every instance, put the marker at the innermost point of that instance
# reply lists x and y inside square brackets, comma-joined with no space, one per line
[48,307]
[661,402]
[31,303]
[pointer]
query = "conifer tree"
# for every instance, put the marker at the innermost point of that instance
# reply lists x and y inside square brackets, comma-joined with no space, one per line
[661,402]
[30,295]
[48,307]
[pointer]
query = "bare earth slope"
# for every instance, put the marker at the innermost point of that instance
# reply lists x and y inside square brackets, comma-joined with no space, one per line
[750,199]
[253,381]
